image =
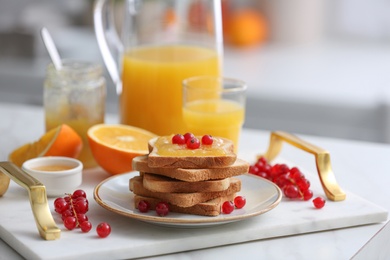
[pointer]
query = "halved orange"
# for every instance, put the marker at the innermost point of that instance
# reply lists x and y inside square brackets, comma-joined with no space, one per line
[114,145]
[60,141]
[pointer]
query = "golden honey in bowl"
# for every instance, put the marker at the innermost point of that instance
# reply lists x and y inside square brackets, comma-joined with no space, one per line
[58,174]
[52,168]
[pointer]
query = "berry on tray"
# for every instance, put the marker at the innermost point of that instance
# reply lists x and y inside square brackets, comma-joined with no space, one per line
[103,229]
[319,202]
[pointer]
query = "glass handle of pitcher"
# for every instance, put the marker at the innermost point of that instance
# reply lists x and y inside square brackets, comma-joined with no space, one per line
[108,40]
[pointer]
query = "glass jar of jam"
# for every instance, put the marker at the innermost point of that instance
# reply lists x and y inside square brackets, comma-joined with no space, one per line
[75,95]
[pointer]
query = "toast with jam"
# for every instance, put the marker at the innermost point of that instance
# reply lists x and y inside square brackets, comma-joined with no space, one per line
[163,153]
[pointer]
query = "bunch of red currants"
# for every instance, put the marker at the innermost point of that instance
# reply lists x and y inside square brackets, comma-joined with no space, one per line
[73,209]
[291,181]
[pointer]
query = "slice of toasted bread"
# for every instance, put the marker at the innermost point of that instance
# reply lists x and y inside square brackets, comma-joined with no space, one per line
[220,154]
[160,183]
[182,199]
[239,167]
[208,208]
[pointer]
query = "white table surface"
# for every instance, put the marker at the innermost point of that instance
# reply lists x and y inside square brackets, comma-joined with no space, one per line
[360,167]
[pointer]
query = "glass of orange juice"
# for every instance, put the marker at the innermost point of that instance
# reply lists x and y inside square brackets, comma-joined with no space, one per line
[162,43]
[215,106]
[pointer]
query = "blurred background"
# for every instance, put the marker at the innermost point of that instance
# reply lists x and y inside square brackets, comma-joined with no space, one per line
[319,67]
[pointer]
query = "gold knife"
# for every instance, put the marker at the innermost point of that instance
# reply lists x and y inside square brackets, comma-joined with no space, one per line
[38,199]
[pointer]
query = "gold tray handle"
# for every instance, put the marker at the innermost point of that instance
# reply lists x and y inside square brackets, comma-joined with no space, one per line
[4,183]
[324,168]
[38,200]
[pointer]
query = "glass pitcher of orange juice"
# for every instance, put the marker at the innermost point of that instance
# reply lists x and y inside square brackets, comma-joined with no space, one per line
[162,42]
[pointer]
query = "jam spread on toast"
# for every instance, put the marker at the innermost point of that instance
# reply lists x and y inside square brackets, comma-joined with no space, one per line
[165,147]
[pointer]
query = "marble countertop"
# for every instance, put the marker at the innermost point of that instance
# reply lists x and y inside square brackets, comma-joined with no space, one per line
[360,168]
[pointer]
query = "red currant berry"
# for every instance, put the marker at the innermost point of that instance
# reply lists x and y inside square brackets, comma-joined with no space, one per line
[58,199]
[70,222]
[103,229]
[260,164]
[303,184]
[266,168]
[178,139]
[143,206]
[294,169]
[275,171]
[193,143]
[162,209]
[86,226]
[319,202]
[283,168]
[207,140]
[262,160]
[79,193]
[296,174]
[307,194]
[81,218]
[66,213]
[291,191]
[68,198]
[254,169]
[239,202]
[80,205]
[282,181]
[227,207]
[188,136]
[60,205]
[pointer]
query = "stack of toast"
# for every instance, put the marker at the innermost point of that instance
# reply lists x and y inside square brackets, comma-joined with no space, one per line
[194,183]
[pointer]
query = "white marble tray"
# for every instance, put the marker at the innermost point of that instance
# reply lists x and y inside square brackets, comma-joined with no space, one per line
[131,238]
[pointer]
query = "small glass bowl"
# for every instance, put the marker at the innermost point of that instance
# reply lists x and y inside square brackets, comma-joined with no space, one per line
[60,175]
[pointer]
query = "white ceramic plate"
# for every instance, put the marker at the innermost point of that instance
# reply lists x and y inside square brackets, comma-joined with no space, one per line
[261,196]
